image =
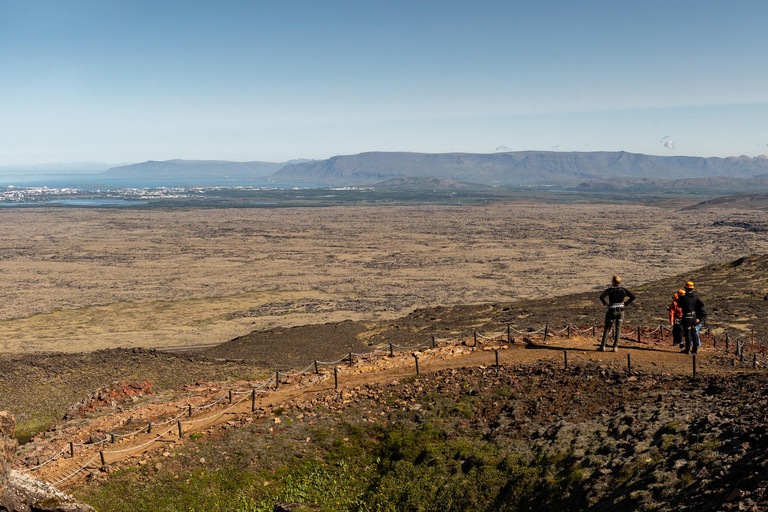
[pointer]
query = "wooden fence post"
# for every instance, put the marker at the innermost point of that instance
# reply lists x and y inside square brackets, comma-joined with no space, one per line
[661,328]
[638,334]
[433,342]
[149,427]
[416,357]
[391,350]
[546,331]
[350,359]
[569,331]
[475,333]
[497,357]
[230,397]
[71,449]
[181,434]
[189,410]
[101,455]
[253,400]
[335,377]
[316,370]
[629,363]
[565,357]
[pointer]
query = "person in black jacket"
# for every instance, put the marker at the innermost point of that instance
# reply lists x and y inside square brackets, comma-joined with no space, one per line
[615,314]
[693,315]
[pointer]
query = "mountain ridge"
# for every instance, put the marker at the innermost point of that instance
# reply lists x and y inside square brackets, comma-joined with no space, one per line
[517,168]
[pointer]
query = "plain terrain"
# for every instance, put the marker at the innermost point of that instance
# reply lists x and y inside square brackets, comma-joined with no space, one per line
[86,279]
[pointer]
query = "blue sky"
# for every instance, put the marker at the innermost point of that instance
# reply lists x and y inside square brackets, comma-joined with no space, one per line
[129,81]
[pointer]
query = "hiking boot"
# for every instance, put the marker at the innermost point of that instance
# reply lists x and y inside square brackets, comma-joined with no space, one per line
[601,348]
[615,348]
[686,351]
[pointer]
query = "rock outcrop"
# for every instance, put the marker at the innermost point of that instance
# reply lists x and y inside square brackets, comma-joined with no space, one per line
[20,492]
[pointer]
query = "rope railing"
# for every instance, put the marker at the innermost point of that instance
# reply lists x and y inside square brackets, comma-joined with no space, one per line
[68,477]
[742,362]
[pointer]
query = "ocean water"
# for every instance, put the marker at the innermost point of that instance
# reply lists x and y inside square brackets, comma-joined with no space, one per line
[98,181]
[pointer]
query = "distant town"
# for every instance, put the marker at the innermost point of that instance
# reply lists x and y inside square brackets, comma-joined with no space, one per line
[14,194]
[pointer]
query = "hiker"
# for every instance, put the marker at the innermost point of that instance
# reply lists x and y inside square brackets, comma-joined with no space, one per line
[675,317]
[615,314]
[693,316]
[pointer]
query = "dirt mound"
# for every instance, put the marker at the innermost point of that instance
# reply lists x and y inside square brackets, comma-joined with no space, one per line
[53,382]
[109,396]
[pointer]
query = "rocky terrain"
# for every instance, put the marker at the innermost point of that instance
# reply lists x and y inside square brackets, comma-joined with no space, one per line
[517,437]
[528,435]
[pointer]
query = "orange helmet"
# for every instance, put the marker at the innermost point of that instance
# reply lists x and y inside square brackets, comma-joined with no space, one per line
[689,285]
[681,292]
[675,296]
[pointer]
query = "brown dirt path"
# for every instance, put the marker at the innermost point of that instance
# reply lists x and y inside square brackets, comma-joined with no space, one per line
[648,356]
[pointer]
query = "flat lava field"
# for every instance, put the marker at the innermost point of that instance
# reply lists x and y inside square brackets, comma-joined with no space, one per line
[83,279]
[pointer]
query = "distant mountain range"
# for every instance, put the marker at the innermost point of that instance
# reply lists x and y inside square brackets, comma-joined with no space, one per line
[517,168]
[591,169]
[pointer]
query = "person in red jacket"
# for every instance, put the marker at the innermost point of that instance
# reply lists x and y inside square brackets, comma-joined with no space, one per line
[675,317]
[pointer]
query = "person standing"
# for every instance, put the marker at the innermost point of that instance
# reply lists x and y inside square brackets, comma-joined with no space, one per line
[675,317]
[693,315]
[615,296]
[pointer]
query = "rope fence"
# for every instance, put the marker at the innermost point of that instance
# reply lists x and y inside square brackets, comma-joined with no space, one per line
[739,360]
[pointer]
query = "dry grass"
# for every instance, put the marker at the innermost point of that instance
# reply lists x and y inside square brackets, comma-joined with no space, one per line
[83,279]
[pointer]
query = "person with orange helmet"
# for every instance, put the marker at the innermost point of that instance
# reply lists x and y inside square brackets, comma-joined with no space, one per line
[675,317]
[615,314]
[693,316]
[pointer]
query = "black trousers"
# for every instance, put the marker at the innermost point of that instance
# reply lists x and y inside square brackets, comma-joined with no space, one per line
[613,317]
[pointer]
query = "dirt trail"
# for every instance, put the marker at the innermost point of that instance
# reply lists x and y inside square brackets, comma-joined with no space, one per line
[648,356]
